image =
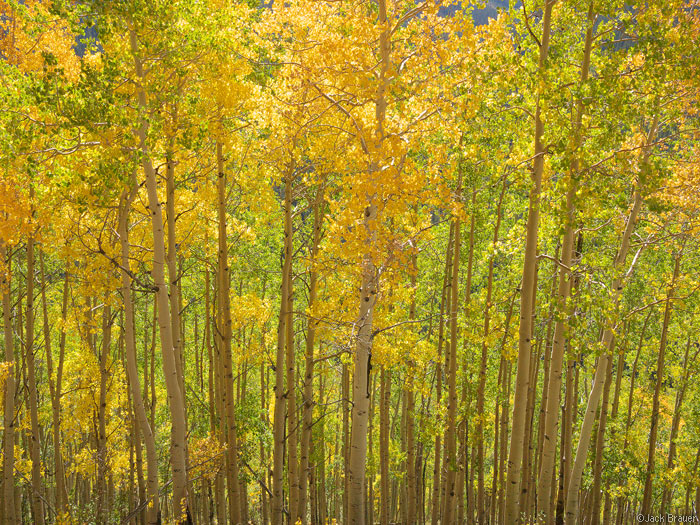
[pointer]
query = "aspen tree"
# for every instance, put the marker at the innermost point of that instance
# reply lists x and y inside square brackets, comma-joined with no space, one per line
[572,497]
[55,386]
[368,295]
[8,465]
[224,345]
[450,458]
[305,485]
[528,293]
[32,401]
[481,390]
[660,362]
[144,426]
[175,395]
[563,292]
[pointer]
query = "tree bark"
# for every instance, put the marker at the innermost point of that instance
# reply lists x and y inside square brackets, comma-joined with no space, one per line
[450,458]
[572,498]
[8,465]
[178,440]
[512,512]
[37,492]
[306,441]
[224,332]
[560,330]
[102,453]
[660,362]
[144,426]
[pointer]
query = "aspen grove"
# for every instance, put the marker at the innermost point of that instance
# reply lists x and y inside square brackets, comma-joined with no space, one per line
[317,262]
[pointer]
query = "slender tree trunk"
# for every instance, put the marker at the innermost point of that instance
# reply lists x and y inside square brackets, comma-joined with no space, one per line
[600,447]
[178,441]
[675,424]
[290,357]
[102,459]
[232,481]
[279,410]
[527,296]
[368,295]
[360,387]
[385,399]
[557,357]
[572,498]
[660,362]
[171,254]
[10,512]
[439,370]
[306,441]
[464,479]
[450,458]
[55,387]
[34,434]
[144,426]
[411,481]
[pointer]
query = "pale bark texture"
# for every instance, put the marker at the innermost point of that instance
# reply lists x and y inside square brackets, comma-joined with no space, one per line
[8,464]
[152,503]
[178,441]
[656,400]
[572,497]
[37,496]
[224,344]
[527,298]
[551,425]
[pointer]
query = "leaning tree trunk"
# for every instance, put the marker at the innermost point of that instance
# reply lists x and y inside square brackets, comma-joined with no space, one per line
[572,497]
